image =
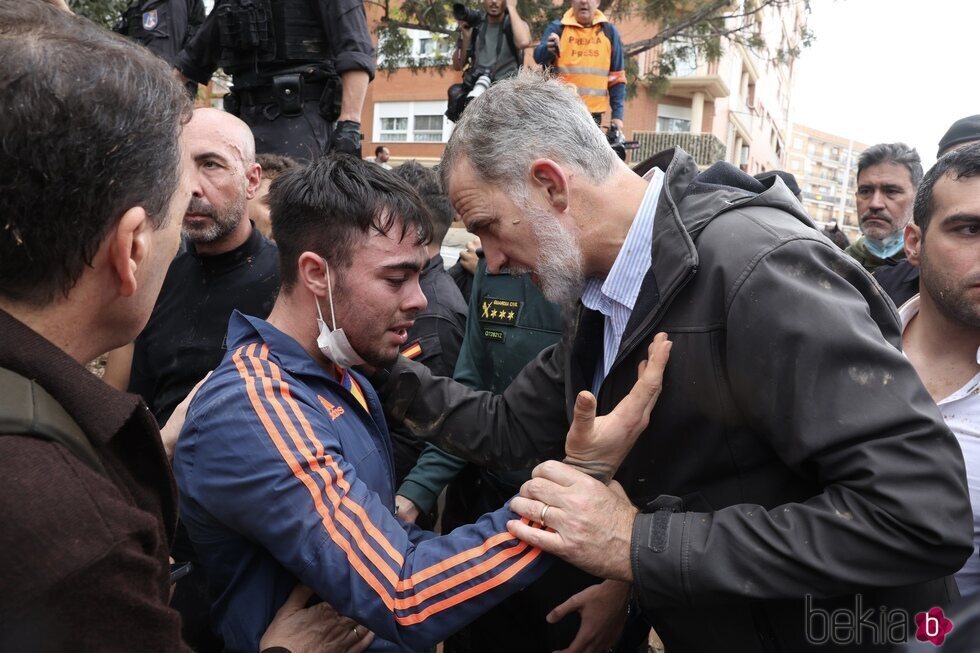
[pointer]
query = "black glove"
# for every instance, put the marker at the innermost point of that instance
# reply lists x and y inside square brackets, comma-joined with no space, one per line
[346,138]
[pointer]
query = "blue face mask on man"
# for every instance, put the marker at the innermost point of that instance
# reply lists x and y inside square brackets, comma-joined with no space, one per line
[887,247]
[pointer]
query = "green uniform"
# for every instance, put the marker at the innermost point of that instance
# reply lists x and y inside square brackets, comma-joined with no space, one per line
[508,324]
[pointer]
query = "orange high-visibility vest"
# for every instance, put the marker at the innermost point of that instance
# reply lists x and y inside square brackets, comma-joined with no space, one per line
[584,58]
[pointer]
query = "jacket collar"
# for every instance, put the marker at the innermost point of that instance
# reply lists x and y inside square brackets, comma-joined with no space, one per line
[100,410]
[689,201]
[434,263]
[569,19]
[245,330]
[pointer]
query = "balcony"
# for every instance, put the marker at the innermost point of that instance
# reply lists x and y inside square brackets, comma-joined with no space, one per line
[705,148]
[712,85]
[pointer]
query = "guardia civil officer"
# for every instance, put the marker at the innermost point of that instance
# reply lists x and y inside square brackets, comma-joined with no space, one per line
[300,70]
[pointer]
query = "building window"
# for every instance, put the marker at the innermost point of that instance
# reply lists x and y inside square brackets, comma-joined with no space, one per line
[428,129]
[393,129]
[685,58]
[411,122]
[673,119]
[673,125]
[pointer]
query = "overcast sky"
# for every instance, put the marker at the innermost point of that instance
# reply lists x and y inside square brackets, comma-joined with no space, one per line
[890,70]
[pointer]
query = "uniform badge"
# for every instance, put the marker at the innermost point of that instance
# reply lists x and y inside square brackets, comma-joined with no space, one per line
[494,335]
[150,20]
[413,351]
[499,311]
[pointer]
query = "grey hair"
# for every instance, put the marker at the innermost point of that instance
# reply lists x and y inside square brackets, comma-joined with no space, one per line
[897,153]
[526,117]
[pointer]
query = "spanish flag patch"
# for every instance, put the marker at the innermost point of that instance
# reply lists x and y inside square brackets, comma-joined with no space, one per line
[413,351]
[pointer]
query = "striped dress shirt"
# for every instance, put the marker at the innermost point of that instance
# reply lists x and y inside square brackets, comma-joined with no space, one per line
[616,295]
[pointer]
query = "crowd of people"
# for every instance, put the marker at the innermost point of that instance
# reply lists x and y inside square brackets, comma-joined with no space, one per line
[685,410]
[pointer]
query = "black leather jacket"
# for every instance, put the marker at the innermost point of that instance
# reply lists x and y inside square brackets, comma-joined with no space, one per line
[793,451]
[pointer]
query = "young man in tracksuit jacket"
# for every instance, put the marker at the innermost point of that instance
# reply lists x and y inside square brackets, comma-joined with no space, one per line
[284,464]
[795,464]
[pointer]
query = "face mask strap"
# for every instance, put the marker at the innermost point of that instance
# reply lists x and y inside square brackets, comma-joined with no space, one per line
[319,312]
[333,316]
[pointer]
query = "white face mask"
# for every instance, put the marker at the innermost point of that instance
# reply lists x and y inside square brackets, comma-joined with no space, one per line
[333,343]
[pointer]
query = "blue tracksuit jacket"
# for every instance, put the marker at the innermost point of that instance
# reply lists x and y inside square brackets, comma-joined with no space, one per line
[285,476]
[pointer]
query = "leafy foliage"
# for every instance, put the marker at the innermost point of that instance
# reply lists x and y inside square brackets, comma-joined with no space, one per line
[688,30]
[103,12]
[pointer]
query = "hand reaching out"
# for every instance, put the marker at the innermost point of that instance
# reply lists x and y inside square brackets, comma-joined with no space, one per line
[598,445]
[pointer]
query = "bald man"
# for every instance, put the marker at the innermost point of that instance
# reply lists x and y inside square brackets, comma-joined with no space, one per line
[226,264]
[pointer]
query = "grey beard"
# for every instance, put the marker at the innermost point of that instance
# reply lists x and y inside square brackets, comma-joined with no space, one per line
[223,221]
[559,264]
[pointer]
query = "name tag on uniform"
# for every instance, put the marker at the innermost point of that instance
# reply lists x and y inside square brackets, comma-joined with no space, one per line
[499,311]
[150,20]
[494,335]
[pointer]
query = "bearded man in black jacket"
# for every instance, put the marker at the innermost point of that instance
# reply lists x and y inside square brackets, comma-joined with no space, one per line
[774,482]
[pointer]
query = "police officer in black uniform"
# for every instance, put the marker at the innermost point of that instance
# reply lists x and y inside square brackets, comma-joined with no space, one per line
[298,66]
[162,26]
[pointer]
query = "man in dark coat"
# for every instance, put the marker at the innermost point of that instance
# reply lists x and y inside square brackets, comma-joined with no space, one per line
[87,501]
[771,484]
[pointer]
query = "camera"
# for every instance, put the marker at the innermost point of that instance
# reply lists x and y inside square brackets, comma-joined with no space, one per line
[481,84]
[618,142]
[471,17]
[477,81]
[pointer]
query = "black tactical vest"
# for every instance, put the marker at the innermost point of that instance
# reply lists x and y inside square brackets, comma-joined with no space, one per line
[269,34]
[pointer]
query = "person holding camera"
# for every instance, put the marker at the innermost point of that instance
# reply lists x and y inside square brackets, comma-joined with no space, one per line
[490,47]
[585,49]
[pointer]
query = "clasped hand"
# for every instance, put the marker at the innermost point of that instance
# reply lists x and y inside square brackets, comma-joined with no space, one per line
[587,522]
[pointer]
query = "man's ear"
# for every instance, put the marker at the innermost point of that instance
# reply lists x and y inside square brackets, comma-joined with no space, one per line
[913,243]
[312,273]
[547,177]
[129,246]
[253,173]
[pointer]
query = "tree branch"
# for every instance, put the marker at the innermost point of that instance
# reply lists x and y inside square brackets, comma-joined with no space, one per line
[671,31]
[695,18]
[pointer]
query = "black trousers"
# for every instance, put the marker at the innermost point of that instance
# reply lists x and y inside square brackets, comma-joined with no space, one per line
[303,137]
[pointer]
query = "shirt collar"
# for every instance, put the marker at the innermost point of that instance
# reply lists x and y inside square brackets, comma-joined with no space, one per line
[622,284]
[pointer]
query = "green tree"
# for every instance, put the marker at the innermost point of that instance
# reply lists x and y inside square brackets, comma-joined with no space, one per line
[688,29]
[103,12]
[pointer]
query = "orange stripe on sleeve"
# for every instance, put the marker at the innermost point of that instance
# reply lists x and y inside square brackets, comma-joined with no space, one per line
[449,563]
[304,478]
[458,579]
[476,590]
[328,519]
[391,574]
[352,505]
